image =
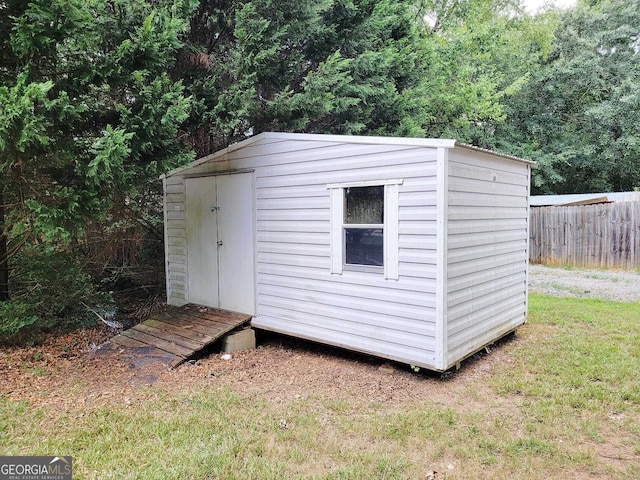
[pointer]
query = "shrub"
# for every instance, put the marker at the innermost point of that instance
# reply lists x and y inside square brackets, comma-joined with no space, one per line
[48,290]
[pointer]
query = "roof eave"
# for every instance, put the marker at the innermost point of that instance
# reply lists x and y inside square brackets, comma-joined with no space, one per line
[418,142]
[493,152]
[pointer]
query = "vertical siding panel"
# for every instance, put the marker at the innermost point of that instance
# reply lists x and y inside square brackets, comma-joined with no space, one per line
[175,236]
[336,212]
[442,223]
[391,232]
[167,269]
[527,237]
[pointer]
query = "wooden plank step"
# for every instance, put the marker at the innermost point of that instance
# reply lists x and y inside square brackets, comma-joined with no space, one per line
[181,331]
[165,345]
[184,330]
[208,330]
[129,342]
[211,317]
[200,319]
[210,325]
[182,318]
[217,315]
[169,337]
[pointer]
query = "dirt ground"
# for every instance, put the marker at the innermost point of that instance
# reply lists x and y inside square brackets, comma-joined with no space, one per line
[281,369]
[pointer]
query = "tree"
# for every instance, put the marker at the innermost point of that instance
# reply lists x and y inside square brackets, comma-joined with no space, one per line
[579,114]
[485,51]
[316,66]
[98,95]
[88,115]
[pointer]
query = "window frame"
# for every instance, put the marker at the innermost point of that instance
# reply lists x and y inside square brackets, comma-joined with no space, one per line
[390,228]
[349,226]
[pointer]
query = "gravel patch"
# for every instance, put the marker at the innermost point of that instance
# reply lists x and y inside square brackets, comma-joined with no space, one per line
[618,285]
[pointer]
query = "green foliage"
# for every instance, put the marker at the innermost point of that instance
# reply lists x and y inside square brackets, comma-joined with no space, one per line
[89,118]
[21,126]
[578,114]
[49,291]
[462,88]
[560,88]
[322,67]
[17,317]
[485,50]
[111,151]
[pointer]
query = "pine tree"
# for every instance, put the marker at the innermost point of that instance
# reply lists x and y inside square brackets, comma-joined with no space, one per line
[88,114]
[351,67]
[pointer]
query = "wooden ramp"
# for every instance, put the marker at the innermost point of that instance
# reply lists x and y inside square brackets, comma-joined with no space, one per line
[181,332]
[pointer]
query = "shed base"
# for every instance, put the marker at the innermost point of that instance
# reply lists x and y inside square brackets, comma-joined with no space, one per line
[240,340]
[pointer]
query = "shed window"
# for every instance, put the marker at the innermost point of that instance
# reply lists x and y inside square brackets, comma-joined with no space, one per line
[364,227]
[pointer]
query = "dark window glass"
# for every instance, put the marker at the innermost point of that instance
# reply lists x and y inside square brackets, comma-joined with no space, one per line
[363,246]
[364,205]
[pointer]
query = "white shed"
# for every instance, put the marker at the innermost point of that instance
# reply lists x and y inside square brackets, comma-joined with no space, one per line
[409,249]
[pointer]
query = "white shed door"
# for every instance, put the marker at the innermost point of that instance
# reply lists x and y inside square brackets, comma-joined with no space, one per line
[220,252]
[202,237]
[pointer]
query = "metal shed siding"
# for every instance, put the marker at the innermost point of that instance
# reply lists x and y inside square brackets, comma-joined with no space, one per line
[486,249]
[175,240]
[299,296]
[296,293]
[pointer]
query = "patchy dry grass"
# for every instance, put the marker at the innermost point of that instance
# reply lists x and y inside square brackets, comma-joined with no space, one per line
[560,400]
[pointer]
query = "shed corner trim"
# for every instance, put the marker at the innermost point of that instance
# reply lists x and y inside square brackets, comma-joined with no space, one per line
[442,191]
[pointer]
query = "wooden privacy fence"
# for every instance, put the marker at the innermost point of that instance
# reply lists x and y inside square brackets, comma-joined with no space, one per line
[601,235]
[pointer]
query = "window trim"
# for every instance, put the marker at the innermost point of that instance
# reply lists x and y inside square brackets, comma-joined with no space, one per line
[390,227]
[367,183]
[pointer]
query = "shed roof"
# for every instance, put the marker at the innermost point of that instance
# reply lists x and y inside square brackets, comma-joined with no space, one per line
[365,140]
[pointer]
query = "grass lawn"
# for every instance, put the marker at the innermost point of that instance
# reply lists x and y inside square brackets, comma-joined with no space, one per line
[559,400]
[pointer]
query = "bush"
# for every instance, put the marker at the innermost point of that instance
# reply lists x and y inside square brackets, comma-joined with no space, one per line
[15,317]
[48,290]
